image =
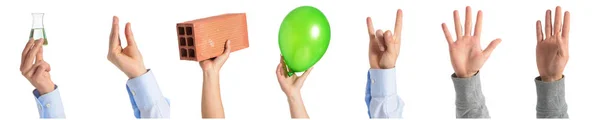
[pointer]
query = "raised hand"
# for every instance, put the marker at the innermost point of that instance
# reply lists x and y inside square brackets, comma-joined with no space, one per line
[466,54]
[128,59]
[384,47]
[212,106]
[552,50]
[38,71]
[290,84]
[214,65]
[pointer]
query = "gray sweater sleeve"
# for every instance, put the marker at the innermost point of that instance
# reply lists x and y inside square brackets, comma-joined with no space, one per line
[551,99]
[470,102]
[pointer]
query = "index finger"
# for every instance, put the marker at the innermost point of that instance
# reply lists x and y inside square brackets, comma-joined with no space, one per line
[114,34]
[28,62]
[478,23]
[370,26]
[398,28]
[566,24]
[26,49]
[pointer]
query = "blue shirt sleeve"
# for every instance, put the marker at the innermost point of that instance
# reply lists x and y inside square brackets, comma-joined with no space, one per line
[146,98]
[50,104]
[381,94]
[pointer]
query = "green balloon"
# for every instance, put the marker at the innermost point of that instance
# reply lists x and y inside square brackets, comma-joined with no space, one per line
[303,38]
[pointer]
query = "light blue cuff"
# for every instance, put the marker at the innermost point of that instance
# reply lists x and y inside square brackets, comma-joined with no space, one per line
[145,90]
[50,104]
[383,82]
[146,98]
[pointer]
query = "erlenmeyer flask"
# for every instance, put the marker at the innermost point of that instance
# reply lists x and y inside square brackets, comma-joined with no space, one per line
[37,30]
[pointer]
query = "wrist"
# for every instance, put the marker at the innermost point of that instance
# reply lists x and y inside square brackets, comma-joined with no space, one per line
[550,78]
[465,74]
[137,73]
[293,98]
[387,66]
[45,87]
[210,75]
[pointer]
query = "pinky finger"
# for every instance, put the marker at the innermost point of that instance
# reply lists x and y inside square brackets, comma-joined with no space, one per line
[447,34]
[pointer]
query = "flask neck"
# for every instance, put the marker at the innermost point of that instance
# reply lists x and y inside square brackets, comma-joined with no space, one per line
[38,20]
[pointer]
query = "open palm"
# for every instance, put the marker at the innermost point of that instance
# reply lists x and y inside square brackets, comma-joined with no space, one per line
[552,51]
[466,54]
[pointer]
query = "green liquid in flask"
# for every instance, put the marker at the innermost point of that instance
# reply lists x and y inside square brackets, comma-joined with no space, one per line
[37,33]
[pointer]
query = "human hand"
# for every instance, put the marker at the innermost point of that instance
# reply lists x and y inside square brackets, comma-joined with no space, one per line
[290,85]
[128,59]
[37,73]
[552,51]
[465,53]
[214,65]
[384,47]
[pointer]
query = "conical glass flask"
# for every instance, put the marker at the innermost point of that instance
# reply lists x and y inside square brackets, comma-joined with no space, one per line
[37,30]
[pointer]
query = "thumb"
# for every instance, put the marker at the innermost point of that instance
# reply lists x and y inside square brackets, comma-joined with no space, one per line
[302,78]
[223,57]
[40,55]
[488,51]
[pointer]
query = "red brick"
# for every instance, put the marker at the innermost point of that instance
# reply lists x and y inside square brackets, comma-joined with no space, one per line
[208,36]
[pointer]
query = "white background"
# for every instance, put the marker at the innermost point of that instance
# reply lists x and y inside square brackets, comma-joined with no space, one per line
[91,87]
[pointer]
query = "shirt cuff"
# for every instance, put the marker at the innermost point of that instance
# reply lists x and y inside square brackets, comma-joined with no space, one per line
[468,90]
[383,82]
[50,104]
[550,89]
[145,90]
[551,98]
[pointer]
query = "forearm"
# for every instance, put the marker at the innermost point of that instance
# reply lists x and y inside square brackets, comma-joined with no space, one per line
[212,107]
[297,109]
[470,102]
[551,99]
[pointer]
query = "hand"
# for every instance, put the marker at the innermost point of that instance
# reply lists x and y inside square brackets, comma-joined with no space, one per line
[128,59]
[552,51]
[290,85]
[384,47]
[37,73]
[465,53]
[214,65]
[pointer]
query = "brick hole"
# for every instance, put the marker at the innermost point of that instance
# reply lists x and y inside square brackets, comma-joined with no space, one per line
[183,52]
[190,41]
[192,53]
[181,41]
[180,31]
[188,30]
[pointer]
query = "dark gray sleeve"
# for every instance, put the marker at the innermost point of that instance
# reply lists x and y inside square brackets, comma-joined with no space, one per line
[551,99]
[470,102]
